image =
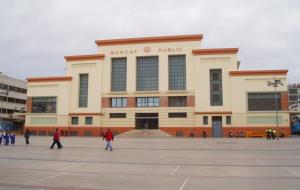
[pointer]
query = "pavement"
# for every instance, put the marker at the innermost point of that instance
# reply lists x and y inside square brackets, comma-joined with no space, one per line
[151,163]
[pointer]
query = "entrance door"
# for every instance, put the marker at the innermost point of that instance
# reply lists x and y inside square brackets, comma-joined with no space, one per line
[146,120]
[217,126]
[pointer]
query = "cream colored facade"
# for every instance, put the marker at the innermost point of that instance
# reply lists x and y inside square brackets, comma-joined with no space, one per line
[235,87]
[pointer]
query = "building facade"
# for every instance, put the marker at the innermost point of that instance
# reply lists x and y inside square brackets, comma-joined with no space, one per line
[166,83]
[12,103]
[294,97]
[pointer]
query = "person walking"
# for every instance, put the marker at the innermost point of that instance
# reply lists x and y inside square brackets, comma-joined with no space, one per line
[273,134]
[56,140]
[12,138]
[109,137]
[26,136]
[6,137]
[1,137]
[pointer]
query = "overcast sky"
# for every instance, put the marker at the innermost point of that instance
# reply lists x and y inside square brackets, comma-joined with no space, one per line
[35,35]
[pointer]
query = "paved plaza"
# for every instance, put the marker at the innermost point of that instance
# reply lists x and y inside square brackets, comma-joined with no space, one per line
[152,163]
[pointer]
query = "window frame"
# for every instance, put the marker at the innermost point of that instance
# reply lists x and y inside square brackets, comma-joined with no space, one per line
[272,100]
[117,115]
[89,120]
[73,119]
[177,115]
[118,102]
[118,82]
[150,81]
[182,101]
[228,120]
[177,72]
[38,105]
[144,101]
[205,120]
[82,96]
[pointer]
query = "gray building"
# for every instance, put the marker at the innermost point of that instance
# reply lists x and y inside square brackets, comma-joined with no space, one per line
[294,97]
[12,103]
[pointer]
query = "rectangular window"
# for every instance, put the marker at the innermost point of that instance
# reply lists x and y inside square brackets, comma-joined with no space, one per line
[74,120]
[177,72]
[89,120]
[147,102]
[293,98]
[263,101]
[205,120]
[228,120]
[177,101]
[83,90]
[216,94]
[147,73]
[117,115]
[44,105]
[293,91]
[118,102]
[118,74]
[178,115]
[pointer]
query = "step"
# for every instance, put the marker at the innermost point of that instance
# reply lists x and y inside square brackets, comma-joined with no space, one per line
[145,133]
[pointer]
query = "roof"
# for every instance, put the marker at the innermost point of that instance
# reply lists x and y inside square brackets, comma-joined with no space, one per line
[84,57]
[258,72]
[215,51]
[49,79]
[157,39]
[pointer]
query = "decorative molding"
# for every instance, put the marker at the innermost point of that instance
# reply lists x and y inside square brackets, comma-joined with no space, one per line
[86,114]
[158,39]
[49,79]
[215,51]
[258,72]
[214,113]
[85,57]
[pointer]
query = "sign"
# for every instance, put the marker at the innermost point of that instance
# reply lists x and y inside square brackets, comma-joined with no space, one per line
[146,49]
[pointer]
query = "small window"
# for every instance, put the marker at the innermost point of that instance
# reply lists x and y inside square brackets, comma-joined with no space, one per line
[118,102]
[177,101]
[228,120]
[74,120]
[147,102]
[89,120]
[117,115]
[205,120]
[178,115]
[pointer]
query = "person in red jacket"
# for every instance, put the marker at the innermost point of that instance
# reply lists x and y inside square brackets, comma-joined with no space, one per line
[109,137]
[56,140]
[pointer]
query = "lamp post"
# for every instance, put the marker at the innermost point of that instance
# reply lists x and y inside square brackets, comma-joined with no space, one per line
[275,84]
[3,93]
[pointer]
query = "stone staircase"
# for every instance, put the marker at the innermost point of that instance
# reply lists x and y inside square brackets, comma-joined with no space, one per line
[144,133]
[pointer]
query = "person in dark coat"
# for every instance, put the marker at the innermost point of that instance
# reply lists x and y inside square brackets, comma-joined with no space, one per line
[26,136]
[12,138]
[1,137]
[6,137]
[56,140]
[109,137]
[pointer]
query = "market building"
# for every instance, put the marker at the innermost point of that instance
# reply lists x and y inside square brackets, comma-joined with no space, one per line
[166,83]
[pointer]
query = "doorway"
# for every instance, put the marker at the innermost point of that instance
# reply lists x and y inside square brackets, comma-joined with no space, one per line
[217,126]
[146,121]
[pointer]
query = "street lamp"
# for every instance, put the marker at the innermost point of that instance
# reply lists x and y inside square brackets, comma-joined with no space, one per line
[275,84]
[3,93]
